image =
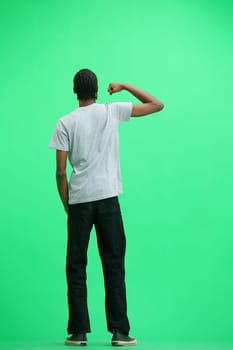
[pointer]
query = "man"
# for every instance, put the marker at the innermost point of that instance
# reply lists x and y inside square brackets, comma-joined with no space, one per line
[89,137]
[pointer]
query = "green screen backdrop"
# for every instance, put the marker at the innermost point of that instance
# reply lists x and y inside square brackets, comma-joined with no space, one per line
[176,165]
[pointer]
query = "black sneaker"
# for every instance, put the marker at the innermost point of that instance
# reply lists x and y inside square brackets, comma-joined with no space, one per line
[121,339]
[77,339]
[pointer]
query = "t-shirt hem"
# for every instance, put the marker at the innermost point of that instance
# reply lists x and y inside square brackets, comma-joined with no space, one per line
[93,199]
[58,148]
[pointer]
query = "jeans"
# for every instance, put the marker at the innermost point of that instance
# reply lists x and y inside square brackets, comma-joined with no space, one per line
[105,215]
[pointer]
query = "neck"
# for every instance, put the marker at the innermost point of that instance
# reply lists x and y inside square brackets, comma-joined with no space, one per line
[83,103]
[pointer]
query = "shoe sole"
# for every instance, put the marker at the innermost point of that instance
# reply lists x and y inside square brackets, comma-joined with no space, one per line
[76,343]
[123,343]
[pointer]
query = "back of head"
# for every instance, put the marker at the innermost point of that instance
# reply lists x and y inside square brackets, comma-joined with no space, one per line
[85,85]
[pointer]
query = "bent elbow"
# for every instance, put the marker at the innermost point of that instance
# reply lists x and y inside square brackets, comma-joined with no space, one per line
[158,107]
[161,106]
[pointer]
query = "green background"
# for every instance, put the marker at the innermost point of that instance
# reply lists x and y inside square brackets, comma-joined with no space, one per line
[176,165]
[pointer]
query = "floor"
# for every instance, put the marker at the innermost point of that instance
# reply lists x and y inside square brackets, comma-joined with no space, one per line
[103,345]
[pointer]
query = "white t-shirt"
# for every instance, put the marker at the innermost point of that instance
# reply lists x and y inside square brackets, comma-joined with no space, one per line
[90,135]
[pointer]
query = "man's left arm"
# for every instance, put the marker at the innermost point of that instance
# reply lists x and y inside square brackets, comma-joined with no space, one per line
[61,177]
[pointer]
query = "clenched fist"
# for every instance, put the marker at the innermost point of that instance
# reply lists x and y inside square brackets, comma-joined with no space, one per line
[115,87]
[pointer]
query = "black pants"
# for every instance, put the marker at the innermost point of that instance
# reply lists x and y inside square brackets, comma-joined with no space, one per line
[106,216]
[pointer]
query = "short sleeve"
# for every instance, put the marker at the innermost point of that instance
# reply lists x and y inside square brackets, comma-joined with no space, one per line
[122,110]
[60,138]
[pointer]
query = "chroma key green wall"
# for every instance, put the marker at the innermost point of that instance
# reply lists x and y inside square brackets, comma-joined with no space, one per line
[176,165]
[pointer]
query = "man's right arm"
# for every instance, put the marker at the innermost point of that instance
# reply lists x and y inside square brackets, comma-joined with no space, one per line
[150,104]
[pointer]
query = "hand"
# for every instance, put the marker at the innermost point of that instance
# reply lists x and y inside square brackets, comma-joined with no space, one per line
[115,87]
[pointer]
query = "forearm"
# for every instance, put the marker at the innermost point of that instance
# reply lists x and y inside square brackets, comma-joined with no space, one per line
[142,95]
[62,186]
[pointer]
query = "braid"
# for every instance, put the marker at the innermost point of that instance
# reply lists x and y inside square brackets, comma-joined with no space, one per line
[85,85]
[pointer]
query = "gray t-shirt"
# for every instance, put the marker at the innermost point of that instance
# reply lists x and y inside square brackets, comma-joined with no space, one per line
[90,135]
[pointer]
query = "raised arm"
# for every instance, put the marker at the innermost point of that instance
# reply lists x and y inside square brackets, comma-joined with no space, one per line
[150,104]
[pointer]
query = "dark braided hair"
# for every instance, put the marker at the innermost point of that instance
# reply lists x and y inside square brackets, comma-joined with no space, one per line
[85,85]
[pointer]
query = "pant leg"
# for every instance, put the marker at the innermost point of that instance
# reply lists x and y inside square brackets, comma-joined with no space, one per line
[112,244]
[80,222]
